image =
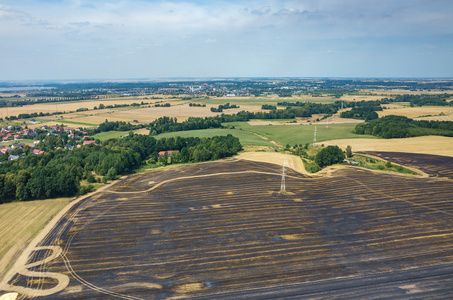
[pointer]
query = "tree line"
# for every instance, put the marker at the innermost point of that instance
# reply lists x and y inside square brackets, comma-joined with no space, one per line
[221,107]
[424,99]
[403,127]
[59,173]
[364,110]
[170,124]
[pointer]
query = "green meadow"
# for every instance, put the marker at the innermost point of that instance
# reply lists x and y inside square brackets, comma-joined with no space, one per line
[301,134]
[247,138]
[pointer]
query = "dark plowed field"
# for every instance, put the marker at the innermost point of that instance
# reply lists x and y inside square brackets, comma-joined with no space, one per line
[233,235]
[434,165]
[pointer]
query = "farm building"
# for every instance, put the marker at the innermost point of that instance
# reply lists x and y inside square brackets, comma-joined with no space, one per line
[169,153]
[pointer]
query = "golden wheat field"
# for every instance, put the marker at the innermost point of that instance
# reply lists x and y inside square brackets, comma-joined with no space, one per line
[434,112]
[64,106]
[148,114]
[437,145]
[20,222]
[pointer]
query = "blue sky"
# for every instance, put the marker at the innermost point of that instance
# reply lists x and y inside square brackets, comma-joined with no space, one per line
[81,39]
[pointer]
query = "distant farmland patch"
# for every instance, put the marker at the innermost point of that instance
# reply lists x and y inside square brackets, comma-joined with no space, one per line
[103,136]
[246,138]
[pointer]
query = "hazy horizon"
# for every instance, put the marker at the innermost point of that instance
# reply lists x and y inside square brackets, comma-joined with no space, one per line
[79,40]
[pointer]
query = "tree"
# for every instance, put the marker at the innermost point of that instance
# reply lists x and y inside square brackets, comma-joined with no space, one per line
[329,156]
[348,151]
[111,174]
[91,179]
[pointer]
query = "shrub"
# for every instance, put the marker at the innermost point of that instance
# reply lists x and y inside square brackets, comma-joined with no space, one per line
[85,189]
[91,179]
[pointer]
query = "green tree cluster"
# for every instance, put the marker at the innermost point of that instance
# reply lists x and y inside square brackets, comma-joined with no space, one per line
[329,156]
[402,127]
[58,173]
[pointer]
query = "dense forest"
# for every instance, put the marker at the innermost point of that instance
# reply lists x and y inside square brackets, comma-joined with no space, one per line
[59,173]
[403,127]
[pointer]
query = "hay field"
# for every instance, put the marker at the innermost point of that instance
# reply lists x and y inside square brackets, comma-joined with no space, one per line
[258,101]
[389,92]
[20,222]
[437,145]
[352,98]
[64,106]
[148,114]
[290,161]
[417,112]
[222,230]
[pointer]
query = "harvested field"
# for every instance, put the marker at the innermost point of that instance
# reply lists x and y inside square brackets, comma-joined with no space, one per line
[147,114]
[222,230]
[434,165]
[64,106]
[443,113]
[437,145]
[290,161]
[20,222]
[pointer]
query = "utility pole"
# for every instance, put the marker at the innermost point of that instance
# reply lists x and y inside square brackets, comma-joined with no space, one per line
[314,138]
[283,185]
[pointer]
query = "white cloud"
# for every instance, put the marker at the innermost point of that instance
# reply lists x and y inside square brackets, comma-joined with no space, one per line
[161,32]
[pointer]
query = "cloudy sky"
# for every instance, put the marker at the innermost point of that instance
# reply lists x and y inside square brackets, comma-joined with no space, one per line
[121,39]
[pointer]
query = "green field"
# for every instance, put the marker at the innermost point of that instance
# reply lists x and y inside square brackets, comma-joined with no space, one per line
[76,123]
[246,138]
[301,134]
[8,143]
[103,136]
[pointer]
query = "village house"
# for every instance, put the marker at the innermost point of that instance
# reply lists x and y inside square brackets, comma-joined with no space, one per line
[20,145]
[37,151]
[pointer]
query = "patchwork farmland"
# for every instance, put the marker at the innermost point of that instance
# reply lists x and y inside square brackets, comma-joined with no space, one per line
[223,230]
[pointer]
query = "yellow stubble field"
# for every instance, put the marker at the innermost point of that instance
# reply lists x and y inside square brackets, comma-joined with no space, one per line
[437,145]
[443,113]
[148,114]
